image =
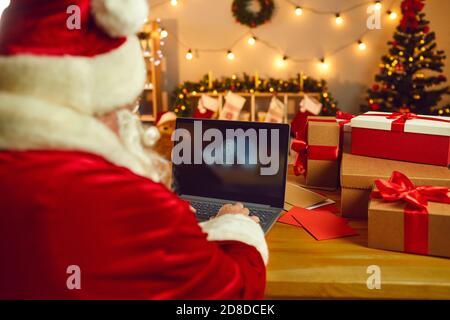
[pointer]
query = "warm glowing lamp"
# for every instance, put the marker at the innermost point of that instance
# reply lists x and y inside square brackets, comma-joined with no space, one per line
[339,20]
[230,55]
[361,45]
[189,55]
[251,41]
[163,34]
[392,15]
[378,5]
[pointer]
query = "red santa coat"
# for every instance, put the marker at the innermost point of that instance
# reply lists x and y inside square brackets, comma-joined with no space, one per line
[130,237]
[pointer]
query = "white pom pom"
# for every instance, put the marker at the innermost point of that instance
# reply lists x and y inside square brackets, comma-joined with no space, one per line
[151,136]
[120,18]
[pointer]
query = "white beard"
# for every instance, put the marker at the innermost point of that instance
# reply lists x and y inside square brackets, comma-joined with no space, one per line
[137,141]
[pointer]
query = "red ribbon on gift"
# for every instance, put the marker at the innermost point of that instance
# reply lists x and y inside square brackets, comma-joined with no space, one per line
[344,117]
[306,152]
[400,119]
[400,188]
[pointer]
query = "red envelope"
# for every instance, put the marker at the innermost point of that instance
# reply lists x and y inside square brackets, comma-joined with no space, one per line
[322,225]
[288,219]
[329,207]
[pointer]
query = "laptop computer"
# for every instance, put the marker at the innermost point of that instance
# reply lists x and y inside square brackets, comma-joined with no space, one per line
[217,162]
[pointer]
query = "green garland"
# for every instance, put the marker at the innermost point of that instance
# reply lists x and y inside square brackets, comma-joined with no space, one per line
[252,19]
[183,108]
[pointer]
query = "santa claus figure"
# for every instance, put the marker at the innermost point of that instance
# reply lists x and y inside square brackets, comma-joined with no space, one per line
[83,212]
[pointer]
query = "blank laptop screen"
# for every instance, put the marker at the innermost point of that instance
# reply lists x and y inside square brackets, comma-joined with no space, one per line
[238,161]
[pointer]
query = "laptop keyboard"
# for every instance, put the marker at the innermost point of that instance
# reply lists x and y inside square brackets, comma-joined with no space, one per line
[206,210]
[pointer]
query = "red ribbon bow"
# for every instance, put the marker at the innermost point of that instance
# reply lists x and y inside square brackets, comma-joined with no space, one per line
[341,115]
[410,10]
[400,188]
[300,146]
[311,152]
[400,119]
[404,116]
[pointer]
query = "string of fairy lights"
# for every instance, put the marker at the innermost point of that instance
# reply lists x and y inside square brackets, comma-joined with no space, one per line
[338,17]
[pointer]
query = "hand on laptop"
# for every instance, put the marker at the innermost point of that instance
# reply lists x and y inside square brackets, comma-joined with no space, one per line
[237,208]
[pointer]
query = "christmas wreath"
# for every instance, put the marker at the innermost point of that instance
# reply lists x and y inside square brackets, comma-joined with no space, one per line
[250,18]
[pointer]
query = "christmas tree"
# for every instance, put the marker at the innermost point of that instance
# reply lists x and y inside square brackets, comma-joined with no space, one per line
[410,77]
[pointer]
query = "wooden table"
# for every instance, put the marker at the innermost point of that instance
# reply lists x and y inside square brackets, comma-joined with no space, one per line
[301,267]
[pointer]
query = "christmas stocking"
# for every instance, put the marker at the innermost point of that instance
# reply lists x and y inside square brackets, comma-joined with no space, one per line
[207,107]
[308,107]
[311,105]
[276,111]
[233,106]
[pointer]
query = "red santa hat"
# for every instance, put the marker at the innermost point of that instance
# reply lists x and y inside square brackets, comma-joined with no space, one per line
[165,117]
[94,69]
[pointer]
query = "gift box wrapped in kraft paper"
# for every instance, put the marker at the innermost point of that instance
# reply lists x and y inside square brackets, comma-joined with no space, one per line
[409,218]
[402,136]
[317,150]
[359,173]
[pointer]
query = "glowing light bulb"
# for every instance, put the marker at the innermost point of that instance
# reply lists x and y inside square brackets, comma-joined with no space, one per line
[378,5]
[163,34]
[230,55]
[361,45]
[392,15]
[323,64]
[339,20]
[251,41]
[282,61]
[189,55]
[298,11]
[173,2]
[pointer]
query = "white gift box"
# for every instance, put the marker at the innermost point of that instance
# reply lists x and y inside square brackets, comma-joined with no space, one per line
[380,121]
[405,137]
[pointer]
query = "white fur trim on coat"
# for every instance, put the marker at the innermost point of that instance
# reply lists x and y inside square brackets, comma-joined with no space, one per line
[89,85]
[120,17]
[239,228]
[32,124]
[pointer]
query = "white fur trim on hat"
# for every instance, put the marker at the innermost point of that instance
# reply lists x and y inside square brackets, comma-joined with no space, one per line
[237,227]
[27,123]
[120,18]
[88,85]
